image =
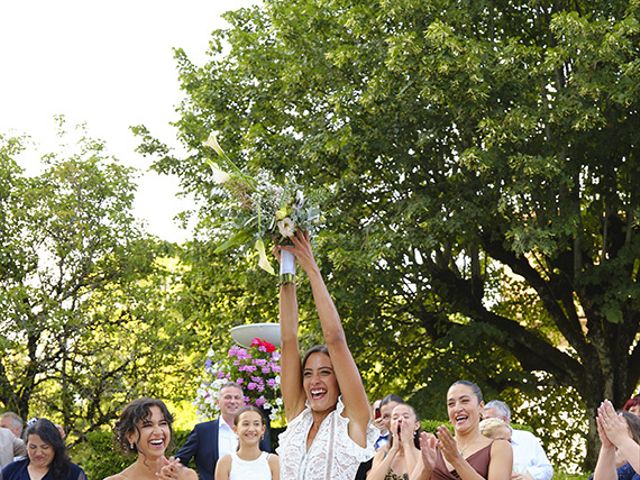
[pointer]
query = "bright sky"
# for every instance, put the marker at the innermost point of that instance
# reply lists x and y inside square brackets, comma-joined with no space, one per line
[109,64]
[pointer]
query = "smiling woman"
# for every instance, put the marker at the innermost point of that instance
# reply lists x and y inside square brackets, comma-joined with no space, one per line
[468,455]
[47,457]
[329,430]
[144,428]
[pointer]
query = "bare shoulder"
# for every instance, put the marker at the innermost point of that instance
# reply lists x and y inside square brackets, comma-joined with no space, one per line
[118,476]
[273,459]
[500,446]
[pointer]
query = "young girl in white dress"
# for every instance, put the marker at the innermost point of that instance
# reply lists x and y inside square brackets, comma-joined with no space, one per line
[248,462]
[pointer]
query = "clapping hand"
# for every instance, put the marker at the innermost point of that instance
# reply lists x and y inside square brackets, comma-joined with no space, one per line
[611,426]
[169,469]
[606,443]
[174,470]
[396,444]
[448,445]
[428,450]
[406,433]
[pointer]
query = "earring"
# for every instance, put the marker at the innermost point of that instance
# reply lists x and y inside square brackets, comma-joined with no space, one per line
[132,446]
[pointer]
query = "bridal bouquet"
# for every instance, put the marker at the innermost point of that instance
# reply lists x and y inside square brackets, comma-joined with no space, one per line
[256,369]
[259,210]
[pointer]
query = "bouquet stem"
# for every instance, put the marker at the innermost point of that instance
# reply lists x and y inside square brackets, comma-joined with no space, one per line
[287,267]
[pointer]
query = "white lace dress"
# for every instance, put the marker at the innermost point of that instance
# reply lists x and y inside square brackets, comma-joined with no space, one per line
[332,454]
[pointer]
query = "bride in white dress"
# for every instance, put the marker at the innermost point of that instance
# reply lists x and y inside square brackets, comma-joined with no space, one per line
[329,431]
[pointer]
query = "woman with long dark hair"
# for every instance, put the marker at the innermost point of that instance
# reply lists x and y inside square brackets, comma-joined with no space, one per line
[329,430]
[47,457]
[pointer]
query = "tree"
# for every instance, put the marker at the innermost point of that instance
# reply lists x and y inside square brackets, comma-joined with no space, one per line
[483,162]
[83,297]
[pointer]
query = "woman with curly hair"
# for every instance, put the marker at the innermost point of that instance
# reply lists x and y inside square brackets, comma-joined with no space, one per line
[144,429]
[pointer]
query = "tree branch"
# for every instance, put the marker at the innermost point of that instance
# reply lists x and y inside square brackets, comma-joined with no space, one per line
[566,319]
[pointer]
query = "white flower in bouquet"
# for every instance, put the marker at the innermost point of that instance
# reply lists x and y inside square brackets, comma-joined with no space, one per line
[286,227]
[212,142]
[220,176]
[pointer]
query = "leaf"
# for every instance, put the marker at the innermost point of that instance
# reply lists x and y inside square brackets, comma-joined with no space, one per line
[263,262]
[237,240]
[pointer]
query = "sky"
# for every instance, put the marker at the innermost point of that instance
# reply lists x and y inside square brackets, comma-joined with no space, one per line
[109,64]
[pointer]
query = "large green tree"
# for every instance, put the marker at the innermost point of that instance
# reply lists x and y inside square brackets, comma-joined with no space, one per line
[482,160]
[83,314]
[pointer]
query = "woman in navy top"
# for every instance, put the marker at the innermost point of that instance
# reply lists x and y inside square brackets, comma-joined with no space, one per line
[47,457]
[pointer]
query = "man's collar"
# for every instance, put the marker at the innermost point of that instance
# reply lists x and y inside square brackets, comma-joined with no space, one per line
[223,424]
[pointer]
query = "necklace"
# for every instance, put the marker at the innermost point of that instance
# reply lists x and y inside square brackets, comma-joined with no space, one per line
[462,449]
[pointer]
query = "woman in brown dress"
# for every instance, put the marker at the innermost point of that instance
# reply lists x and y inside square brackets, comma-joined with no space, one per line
[468,455]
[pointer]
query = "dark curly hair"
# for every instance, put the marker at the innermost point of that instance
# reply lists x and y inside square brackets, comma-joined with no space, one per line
[134,413]
[60,465]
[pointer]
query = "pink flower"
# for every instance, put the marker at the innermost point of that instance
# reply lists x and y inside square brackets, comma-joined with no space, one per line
[242,354]
[260,401]
[251,386]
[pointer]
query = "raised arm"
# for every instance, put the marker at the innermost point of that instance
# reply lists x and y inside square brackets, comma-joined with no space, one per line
[382,462]
[290,370]
[606,464]
[346,371]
